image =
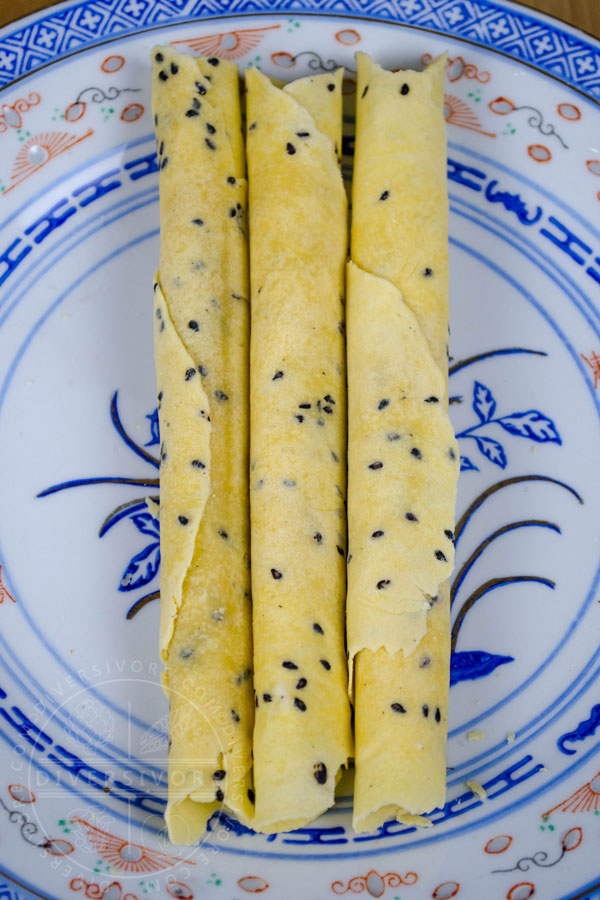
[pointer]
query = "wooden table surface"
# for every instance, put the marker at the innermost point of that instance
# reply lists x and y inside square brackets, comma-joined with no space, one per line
[582,13]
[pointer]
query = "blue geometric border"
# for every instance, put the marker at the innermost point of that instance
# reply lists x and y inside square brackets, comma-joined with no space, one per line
[516,32]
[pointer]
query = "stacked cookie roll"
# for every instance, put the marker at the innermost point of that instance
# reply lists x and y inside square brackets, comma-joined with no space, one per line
[303,418]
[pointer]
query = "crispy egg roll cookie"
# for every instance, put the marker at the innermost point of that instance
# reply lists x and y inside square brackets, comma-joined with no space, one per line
[202,344]
[298,240]
[403,457]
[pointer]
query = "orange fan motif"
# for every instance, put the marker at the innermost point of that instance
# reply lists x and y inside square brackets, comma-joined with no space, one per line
[230,44]
[124,855]
[585,799]
[39,150]
[457,112]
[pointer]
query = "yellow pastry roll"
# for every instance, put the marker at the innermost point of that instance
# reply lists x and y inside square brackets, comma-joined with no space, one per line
[201,349]
[298,241]
[402,455]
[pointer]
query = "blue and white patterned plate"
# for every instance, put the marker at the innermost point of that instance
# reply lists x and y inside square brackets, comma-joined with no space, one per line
[82,717]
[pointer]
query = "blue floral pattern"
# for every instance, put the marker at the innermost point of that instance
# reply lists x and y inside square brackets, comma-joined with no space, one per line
[531,424]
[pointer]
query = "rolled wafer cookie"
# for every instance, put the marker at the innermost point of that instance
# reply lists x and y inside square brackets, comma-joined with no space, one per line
[201,349]
[402,455]
[298,240]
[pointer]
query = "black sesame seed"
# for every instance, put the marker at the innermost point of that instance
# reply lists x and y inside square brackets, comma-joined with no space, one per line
[378,534]
[159,314]
[320,772]
[331,87]
[334,456]
[220,796]
[213,61]
[232,212]
[222,533]
[416,453]
[161,149]
[196,103]
[301,683]
[326,665]
[385,195]
[329,399]
[317,628]
[252,127]
[340,550]
[250,795]
[174,68]
[397,707]
[193,325]
[209,144]
[432,399]
[381,585]
[183,520]
[317,537]
[288,664]
[349,557]
[451,454]
[425,710]
[290,148]
[299,417]
[219,775]
[158,57]
[163,75]
[235,716]
[186,653]
[303,134]
[198,464]
[256,700]
[438,715]
[439,554]
[210,128]
[203,370]
[299,704]
[276,574]
[191,112]
[164,162]
[221,396]
[304,406]
[289,482]
[156,119]
[404,90]
[382,404]
[364,93]
[244,676]
[449,534]
[230,179]
[278,374]
[163,452]
[197,221]
[427,272]
[328,410]
[189,374]
[200,88]
[376,465]
[424,662]
[159,396]
[411,517]
[267,698]
[341,328]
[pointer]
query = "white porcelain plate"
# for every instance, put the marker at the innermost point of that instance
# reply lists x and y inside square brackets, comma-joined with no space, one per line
[82,716]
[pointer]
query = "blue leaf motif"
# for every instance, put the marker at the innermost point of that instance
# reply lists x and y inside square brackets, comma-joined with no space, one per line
[154,429]
[531,424]
[142,568]
[483,402]
[469,665]
[492,449]
[466,464]
[146,524]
